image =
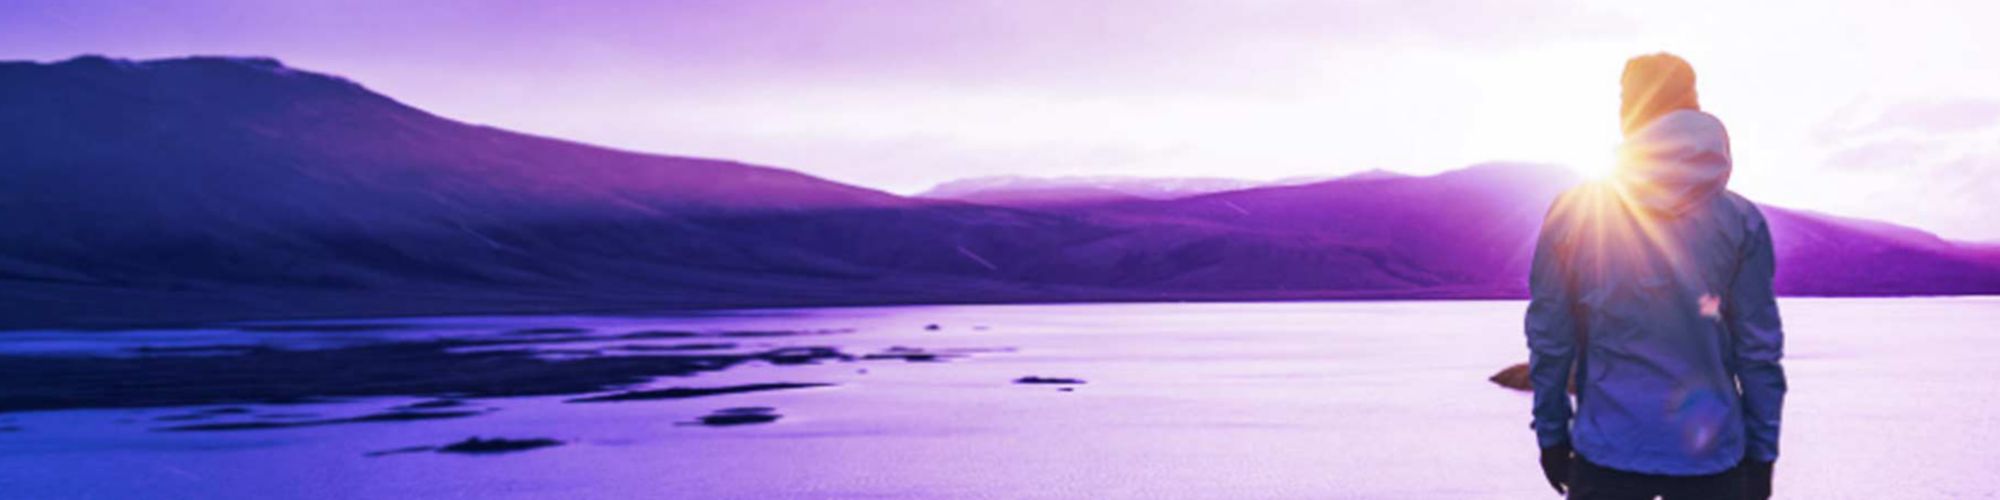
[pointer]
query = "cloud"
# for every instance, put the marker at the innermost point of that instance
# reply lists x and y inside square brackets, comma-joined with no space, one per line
[1930,161]
[1938,116]
[1879,134]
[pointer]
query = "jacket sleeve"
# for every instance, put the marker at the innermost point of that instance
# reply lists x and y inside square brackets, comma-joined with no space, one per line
[1758,343]
[1552,330]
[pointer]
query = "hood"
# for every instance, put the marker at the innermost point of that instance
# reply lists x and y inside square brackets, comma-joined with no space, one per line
[1675,163]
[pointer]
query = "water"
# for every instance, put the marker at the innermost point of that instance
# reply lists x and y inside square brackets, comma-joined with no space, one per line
[1891,398]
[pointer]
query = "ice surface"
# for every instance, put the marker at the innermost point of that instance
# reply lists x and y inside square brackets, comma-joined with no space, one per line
[1891,398]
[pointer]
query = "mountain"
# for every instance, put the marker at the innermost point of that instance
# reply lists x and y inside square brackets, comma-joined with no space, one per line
[209,188]
[247,181]
[1477,226]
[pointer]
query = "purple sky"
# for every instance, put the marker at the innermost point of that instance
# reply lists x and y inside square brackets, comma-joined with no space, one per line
[1883,110]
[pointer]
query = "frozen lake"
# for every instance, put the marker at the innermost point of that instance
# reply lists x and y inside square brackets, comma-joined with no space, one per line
[1890,398]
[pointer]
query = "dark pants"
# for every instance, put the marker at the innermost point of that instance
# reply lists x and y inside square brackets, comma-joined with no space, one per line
[1590,481]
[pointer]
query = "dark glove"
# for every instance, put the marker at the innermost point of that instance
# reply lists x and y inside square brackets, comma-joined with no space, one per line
[1757,479]
[1555,466]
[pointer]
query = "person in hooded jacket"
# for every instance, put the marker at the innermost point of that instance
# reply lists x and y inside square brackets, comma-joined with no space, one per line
[1652,293]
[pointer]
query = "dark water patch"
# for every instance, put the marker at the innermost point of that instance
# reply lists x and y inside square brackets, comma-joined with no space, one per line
[287,416]
[695,392]
[1032,379]
[323,327]
[745,415]
[921,355]
[196,350]
[477,446]
[235,426]
[659,334]
[549,330]
[975,350]
[10,428]
[406,416]
[761,333]
[432,404]
[527,340]
[909,354]
[399,451]
[803,355]
[784,333]
[699,346]
[291,399]
[203,414]
[394,416]
[571,352]
[279,376]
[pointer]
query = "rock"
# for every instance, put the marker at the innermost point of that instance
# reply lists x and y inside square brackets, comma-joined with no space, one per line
[1513,377]
[1516,377]
[932,327]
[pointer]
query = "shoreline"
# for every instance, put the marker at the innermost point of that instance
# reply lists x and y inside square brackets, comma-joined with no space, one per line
[200,310]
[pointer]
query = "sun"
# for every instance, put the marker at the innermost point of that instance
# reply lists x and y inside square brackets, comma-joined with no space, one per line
[1556,106]
[1577,134]
[1579,139]
[1592,162]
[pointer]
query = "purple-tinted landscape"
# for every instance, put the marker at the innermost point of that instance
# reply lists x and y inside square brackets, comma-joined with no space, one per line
[216,188]
[915,250]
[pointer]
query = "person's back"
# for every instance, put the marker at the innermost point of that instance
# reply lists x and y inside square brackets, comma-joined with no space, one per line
[1654,286]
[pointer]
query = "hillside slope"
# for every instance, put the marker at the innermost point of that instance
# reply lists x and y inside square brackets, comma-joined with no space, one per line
[209,188]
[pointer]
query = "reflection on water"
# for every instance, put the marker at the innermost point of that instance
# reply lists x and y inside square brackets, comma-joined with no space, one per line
[1304,400]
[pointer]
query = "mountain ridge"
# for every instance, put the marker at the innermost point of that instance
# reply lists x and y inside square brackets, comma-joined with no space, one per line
[212,189]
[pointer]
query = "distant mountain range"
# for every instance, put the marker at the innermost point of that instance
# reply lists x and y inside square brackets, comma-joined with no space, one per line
[1024,191]
[206,188]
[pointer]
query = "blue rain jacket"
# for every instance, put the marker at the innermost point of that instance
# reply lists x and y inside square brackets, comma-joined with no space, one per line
[1655,286]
